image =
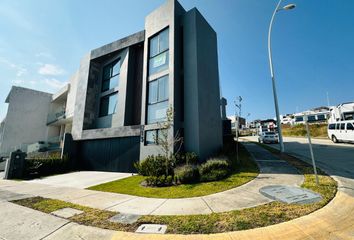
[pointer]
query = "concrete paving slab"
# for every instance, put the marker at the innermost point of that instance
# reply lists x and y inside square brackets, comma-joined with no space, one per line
[138,206]
[186,206]
[124,218]
[66,212]
[290,194]
[234,201]
[82,179]
[10,196]
[74,231]
[67,194]
[102,200]
[17,222]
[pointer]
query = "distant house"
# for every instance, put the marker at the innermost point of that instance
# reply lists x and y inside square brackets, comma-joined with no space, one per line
[26,119]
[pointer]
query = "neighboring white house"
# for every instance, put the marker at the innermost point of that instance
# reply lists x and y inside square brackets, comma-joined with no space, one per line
[26,119]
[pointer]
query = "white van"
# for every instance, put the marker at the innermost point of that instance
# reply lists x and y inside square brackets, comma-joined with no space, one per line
[341,131]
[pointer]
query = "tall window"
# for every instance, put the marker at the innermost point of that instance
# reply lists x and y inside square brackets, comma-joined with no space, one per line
[110,77]
[110,80]
[158,56]
[157,99]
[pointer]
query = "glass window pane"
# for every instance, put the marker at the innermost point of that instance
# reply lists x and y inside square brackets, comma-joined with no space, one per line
[154,47]
[150,137]
[158,63]
[163,38]
[342,126]
[115,68]
[350,126]
[157,112]
[104,107]
[113,99]
[105,85]
[163,88]
[113,82]
[153,86]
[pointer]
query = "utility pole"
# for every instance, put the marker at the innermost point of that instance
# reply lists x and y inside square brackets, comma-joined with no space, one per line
[311,151]
[237,118]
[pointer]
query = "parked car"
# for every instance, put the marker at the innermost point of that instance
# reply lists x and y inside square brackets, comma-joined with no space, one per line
[268,137]
[341,131]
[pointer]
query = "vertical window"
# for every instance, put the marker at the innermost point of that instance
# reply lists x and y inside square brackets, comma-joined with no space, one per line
[108,104]
[153,137]
[110,78]
[159,52]
[157,100]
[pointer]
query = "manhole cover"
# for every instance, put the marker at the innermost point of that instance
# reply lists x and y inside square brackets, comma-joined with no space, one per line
[66,212]
[125,218]
[290,194]
[152,228]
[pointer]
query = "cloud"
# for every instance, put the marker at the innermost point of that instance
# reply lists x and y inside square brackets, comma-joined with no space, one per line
[45,55]
[50,69]
[20,70]
[54,83]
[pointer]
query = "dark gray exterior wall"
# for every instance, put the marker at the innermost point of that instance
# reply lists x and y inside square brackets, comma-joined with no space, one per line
[167,15]
[86,122]
[202,117]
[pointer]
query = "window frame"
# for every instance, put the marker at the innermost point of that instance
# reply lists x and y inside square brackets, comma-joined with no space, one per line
[111,76]
[159,51]
[156,136]
[108,97]
[166,83]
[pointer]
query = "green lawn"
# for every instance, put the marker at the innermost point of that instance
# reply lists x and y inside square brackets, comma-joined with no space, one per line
[260,216]
[132,186]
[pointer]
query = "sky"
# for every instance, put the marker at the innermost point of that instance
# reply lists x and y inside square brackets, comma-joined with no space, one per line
[42,42]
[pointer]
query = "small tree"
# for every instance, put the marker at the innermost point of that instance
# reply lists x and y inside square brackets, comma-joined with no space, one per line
[169,143]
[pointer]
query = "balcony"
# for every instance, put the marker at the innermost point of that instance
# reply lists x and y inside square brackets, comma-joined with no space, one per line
[55,117]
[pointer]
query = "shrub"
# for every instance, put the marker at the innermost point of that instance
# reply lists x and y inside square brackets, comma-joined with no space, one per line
[46,166]
[214,169]
[154,166]
[159,181]
[182,158]
[187,174]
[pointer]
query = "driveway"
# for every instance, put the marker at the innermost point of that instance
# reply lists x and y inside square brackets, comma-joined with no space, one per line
[82,179]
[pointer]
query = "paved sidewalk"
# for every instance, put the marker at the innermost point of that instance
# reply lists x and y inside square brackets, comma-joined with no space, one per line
[273,171]
[81,179]
[17,222]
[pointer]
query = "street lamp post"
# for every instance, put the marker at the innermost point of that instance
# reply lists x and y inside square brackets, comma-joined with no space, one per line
[277,9]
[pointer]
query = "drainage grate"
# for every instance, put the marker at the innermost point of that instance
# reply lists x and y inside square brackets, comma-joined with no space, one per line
[152,228]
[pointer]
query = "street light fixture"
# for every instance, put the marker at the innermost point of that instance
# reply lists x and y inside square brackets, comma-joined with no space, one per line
[277,9]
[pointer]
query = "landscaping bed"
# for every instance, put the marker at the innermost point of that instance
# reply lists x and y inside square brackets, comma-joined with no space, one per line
[260,216]
[246,172]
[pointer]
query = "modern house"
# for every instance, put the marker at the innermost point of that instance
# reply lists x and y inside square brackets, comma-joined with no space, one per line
[115,102]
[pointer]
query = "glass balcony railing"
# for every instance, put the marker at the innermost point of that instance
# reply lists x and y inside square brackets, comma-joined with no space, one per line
[52,118]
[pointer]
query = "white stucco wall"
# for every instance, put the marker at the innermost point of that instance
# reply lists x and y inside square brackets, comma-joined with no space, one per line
[26,118]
